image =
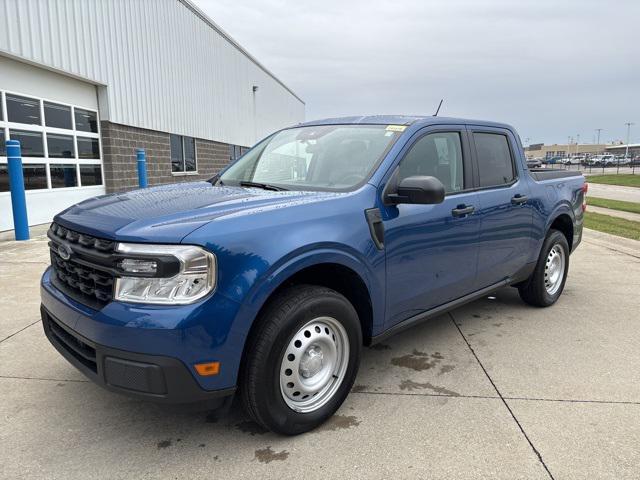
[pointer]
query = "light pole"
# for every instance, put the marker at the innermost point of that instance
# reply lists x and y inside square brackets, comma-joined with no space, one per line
[626,150]
[598,130]
[628,124]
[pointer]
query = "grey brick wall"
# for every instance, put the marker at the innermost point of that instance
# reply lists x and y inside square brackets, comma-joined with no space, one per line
[119,144]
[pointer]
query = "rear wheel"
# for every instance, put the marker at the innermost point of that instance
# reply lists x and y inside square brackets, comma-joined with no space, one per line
[302,360]
[545,285]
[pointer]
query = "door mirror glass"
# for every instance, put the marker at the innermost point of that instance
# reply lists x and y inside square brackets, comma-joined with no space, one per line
[418,189]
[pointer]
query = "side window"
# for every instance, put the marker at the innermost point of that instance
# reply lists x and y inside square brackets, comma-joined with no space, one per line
[495,165]
[437,155]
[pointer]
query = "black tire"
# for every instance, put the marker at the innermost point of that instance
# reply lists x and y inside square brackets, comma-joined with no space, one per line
[283,317]
[534,291]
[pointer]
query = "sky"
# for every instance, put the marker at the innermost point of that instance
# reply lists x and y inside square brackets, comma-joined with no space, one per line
[552,69]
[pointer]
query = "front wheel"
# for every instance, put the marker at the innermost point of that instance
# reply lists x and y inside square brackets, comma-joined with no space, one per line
[545,285]
[302,360]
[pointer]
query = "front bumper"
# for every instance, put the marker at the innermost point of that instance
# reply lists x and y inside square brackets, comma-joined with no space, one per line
[153,377]
[147,351]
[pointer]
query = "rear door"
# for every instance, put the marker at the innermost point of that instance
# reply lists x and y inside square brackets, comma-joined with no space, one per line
[504,208]
[431,250]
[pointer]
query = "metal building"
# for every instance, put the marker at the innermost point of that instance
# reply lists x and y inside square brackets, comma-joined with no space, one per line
[85,83]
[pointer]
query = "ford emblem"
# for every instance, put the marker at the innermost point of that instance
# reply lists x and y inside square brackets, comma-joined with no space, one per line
[64,251]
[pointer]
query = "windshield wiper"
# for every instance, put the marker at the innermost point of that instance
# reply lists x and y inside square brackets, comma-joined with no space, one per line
[264,186]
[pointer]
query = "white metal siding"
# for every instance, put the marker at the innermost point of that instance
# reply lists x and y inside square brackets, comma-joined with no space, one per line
[164,67]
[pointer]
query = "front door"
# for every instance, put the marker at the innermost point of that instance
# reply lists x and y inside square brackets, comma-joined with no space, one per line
[432,250]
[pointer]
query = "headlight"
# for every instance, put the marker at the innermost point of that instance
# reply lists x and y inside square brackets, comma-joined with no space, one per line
[164,274]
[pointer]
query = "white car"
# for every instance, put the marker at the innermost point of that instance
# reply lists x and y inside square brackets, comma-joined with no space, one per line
[605,160]
[575,160]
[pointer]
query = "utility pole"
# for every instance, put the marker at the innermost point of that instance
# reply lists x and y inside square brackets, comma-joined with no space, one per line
[598,130]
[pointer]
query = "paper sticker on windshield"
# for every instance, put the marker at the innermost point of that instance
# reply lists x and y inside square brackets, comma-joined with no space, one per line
[396,128]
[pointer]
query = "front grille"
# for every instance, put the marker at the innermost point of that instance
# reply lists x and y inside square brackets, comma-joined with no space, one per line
[61,233]
[87,276]
[84,353]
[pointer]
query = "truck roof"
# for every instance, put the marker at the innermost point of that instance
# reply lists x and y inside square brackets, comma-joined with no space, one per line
[402,120]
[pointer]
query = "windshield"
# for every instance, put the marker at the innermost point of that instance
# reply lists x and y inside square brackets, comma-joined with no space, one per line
[325,157]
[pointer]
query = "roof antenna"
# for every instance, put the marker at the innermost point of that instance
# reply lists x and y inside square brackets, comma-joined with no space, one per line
[439,105]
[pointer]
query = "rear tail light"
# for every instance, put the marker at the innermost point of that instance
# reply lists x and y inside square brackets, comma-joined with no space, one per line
[585,189]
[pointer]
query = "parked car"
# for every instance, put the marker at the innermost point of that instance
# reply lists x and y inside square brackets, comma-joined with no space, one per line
[534,163]
[267,280]
[554,160]
[575,160]
[603,160]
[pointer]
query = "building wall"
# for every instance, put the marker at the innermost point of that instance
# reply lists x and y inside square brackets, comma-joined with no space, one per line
[564,150]
[119,144]
[158,65]
[633,151]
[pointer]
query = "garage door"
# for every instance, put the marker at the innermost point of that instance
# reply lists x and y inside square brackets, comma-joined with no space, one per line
[61,147]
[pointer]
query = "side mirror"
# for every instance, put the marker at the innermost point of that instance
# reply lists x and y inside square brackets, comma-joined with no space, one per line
[417,189]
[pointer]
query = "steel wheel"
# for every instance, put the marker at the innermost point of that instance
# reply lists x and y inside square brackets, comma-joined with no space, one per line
[554,269]
[314,364]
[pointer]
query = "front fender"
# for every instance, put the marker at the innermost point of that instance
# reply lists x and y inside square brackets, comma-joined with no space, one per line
[266,284]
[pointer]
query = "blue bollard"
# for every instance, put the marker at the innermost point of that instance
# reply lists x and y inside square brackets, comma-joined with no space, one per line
[142,167]
[16,185]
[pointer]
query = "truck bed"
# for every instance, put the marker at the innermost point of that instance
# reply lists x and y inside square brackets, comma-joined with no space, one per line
[540,174]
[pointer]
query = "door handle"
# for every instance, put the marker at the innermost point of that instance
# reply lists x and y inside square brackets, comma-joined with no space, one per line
[462,210]
[519,199]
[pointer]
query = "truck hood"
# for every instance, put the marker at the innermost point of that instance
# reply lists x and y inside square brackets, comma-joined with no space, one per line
[168,213]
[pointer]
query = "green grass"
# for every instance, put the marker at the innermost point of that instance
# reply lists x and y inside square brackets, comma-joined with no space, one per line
[626,180]
[613,225]
[632,207]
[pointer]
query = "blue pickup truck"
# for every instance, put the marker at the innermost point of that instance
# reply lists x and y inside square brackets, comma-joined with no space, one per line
[268,280]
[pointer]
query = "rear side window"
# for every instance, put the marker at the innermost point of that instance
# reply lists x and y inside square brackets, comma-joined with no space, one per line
[436,155]
[495,165]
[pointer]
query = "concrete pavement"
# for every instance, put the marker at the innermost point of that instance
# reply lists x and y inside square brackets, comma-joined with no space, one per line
[613,192]
[494,389]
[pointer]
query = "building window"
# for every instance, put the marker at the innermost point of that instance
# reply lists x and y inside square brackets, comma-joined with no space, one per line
[60,143]
[35,176]
[60,146]
[90,175]
[31,144]
[86,121]
[236,151]
[57,116]
[88,148]
[4,177]
[63,175]
[23,110]
[183,154]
